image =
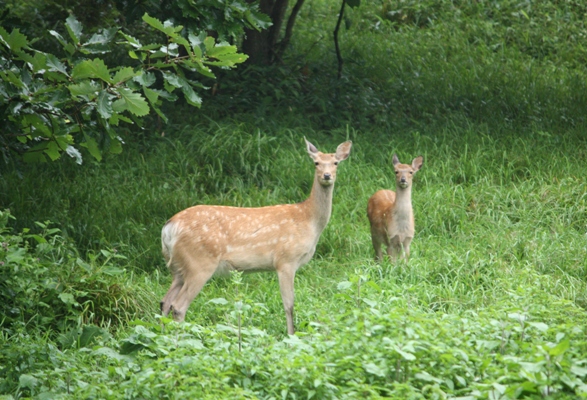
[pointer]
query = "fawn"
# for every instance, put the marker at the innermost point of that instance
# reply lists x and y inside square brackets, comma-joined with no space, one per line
[203,240]
[391,215]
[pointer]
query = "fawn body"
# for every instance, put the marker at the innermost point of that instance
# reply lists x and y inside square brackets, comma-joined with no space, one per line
[391,215]
[202,241]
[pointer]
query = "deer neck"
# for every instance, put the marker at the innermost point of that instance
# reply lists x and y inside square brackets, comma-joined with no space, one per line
[319,205]
[403,200]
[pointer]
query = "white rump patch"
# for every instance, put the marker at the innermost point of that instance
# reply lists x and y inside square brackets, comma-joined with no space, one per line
[169,235]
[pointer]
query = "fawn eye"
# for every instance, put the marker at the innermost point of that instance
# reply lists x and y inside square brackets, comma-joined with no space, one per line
[336,163]
[411,172]
[396,172]
[317,163]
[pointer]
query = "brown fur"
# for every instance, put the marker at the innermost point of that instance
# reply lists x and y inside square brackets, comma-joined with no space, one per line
[391,215]
[201,241]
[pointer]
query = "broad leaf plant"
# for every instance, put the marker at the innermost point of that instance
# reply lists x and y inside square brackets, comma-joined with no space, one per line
[51,105]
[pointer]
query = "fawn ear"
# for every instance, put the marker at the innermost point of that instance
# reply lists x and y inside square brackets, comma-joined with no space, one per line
[343,150]
[395,160]
[312,150]
[417,163]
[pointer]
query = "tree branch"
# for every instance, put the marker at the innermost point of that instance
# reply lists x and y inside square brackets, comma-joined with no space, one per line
[289,28]
[338,55]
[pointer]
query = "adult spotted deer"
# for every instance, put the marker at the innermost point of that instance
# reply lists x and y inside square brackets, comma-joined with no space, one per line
[201,241]
[391,215]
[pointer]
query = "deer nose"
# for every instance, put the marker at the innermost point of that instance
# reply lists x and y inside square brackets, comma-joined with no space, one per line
[327,176]
[402,179]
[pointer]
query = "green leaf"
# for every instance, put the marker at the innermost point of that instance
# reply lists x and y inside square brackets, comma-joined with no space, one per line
[134,42]
[38,62]
[91,69]
[123,75]
[134,102]
[532,367]
[191,96]
[14,41]
[36,124]
[425,376]
[579,371]
[27,381]
[560,348]
[16,255]
[55,64]
[542,327]
[221,49]
[59,38]
[53,151]
[258,21]
[92,147]
[209,43]
[98,43]
[166,28]
[74,28]
[68,298]
[104,104]
[353,3]
[197,40]
[89,334]
[374,369]
[109,353]
[151,95]
[9,76]
[115,146]
[84,88]
[172,79]
[228,60]
[145,78]
[180,40]
[405,355]
[74,153]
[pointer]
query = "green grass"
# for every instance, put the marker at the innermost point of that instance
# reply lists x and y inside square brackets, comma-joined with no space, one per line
[501,221]
[490,306]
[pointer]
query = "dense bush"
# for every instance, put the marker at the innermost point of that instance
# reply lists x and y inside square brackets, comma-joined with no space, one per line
[45,284]
[490,306]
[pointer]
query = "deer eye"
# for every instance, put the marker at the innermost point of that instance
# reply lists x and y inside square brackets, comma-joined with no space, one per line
[396,172]
[316,163]
[411,172]
[336,163]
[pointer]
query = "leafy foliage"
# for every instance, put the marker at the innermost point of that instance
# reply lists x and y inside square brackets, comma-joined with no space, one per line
[491,305]
[45,284]
[227,19]
[55,105]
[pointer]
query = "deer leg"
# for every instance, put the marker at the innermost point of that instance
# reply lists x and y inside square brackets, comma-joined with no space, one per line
[406,247]
[176,285]
[377,247]
[392,251]
[286,287]
[195,276]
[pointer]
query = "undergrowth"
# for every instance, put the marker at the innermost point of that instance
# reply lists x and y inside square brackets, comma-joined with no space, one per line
[491,304]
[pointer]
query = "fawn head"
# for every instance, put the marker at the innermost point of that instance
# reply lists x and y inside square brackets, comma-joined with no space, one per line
[326,164]
[404,172]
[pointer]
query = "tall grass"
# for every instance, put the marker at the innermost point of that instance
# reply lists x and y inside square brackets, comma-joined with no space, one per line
[495,287]
[513,198]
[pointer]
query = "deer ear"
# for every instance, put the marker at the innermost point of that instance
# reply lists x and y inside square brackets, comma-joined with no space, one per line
[417,163]
[343,150]
[395,160]
[312,150]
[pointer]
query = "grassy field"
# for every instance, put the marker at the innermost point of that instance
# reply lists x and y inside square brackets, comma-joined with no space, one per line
[490,306]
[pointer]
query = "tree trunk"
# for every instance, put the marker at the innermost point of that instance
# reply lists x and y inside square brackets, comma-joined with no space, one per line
[264,48]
